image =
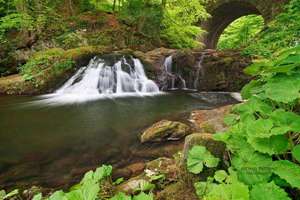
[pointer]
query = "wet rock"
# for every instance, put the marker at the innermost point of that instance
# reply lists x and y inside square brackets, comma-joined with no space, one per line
[211,70]
[158,150]
[165,130]
[177,191]
[121,173]
[136,168]
[209,121]
[160,172]
[166,166]
[129,170]
[204,139]
[132,185]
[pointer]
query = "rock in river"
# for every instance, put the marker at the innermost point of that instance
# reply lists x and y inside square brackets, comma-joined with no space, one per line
[165,130]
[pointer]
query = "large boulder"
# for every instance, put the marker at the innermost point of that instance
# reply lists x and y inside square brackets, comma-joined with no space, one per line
[165,130]
[209,121]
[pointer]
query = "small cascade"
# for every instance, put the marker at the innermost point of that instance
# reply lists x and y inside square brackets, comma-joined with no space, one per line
[168,70]
[198,73]
[102,77]
[177,78]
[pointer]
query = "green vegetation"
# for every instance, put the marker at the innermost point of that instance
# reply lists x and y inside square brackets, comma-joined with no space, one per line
[30,26]
[241,32]
[199,157]
[263,138]
[282,32]
[91,187]
[247,33]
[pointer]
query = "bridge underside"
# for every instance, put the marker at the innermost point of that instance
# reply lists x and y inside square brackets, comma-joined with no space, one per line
[222,16]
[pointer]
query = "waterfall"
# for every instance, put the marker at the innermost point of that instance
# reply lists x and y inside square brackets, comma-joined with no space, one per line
[168,70]
[176,78]
[198,73]
[102,78]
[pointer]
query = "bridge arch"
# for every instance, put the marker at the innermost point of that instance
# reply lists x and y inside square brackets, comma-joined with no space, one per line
[224,12]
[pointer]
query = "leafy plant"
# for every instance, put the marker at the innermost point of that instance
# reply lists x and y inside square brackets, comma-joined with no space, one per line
[263,135]
[4,195]
[199,157]
[87,189]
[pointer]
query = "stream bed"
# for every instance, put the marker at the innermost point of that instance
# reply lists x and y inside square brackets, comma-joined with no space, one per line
[53,145]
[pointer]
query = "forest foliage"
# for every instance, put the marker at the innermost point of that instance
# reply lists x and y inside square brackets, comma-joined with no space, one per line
[171,20]
[249,34]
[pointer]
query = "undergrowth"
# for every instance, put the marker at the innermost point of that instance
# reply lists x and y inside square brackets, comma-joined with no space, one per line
[263,137]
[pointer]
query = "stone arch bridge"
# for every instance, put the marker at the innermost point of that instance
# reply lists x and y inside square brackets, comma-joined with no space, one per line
[223,12]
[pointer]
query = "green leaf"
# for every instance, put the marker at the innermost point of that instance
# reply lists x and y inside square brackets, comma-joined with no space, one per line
[252,106]
[220,176]
[102,172]
[203,188]
[118,181]
[260,128]
[145,186]
[288,171]
[59,195]
[265,191]
[286,120]
[37,196]
[296,152]
[230,119]
[198,156]
[75,195]
[157,177]
[11,194]
[232,191]
[143,196]
[252,88]
[274,145]
[2,194]
[121,196]
[283,88]
[252,167]
[257,67]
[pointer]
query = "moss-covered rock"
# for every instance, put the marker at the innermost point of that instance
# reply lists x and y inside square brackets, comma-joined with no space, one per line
[165,130]
[209,121]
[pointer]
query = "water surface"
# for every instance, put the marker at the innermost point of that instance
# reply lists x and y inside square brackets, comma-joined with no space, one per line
[48,144]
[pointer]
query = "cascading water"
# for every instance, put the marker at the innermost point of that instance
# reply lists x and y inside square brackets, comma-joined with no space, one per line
[177,79]
[100,78]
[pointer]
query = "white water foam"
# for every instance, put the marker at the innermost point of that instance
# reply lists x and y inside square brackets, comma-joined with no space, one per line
[99,80]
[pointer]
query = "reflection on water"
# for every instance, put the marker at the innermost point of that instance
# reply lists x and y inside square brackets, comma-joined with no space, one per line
[48,145]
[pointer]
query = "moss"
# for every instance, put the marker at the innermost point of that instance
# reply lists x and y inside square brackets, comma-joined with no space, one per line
[208,128]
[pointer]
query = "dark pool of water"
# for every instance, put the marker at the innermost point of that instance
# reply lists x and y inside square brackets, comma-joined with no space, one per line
[49,145]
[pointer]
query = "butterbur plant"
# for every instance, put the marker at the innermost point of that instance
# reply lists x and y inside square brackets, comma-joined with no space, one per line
[263,136]
[89,188]
[199,157]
